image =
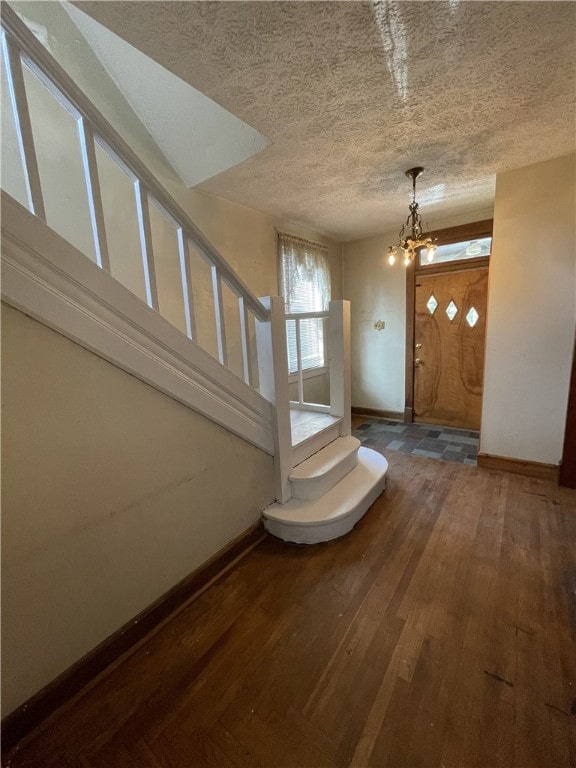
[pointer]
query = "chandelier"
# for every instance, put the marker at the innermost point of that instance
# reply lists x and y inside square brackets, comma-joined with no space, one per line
[412,238]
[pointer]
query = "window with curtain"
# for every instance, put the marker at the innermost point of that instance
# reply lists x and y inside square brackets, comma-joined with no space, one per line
[305,286]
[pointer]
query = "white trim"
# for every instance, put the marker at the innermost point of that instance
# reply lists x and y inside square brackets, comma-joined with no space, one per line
[219,315]
[309,373]
[48,279]
[273,377]
[91,176]
[245,338]
[145,230]
[307,315]
[186,279]
[340,365]
[310,407]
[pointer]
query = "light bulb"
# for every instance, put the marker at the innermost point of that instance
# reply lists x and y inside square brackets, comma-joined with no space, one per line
[406,260]
[429,255]
[391,259]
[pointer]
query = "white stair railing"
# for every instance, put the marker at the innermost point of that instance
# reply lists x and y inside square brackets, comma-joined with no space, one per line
[274,378]
[21,49]
[273,375]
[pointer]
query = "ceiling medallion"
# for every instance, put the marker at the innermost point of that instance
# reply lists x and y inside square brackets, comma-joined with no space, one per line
[412,238]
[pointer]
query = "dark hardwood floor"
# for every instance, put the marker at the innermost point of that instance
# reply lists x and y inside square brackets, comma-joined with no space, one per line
[440,632]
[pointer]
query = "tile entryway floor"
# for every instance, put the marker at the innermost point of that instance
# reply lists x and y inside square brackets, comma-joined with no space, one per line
[446,443]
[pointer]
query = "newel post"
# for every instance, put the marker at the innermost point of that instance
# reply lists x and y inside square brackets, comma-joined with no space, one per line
[340,365]
[273,375]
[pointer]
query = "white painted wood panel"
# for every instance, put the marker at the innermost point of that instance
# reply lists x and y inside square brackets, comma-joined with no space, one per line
[94,194]
[340,364]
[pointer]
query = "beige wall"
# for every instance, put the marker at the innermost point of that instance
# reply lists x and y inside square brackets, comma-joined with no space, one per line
[111,493]
[378,292]
[247,239]
[531,312]
[316,389]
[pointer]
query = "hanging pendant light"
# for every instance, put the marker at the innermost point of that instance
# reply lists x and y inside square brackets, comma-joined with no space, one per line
[412,238]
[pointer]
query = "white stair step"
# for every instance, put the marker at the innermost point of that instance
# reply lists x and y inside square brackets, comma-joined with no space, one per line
[308,446]
[306,424]
[315,476]
[335,513]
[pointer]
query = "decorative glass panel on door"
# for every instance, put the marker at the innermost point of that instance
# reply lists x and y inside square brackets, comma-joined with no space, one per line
[451,311]
[472,317]
[432,304]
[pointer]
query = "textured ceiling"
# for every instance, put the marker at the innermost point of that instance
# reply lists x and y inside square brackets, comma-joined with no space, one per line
[351,94]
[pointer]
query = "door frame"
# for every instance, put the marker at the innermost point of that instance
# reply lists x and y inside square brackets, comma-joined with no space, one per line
[472,231]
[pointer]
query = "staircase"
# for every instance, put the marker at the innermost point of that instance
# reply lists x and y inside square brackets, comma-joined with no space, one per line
[331,491]
[324,480]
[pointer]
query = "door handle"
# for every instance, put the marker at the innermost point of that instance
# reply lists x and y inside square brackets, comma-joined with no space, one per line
[417,362]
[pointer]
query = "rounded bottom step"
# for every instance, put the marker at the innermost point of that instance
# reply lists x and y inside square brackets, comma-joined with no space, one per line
[337,512]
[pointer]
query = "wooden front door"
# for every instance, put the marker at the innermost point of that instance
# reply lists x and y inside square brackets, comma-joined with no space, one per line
[450,328]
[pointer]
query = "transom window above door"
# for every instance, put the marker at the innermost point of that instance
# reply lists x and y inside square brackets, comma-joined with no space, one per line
[466,249]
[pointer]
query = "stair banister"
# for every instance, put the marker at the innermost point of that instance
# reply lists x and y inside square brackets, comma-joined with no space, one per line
[245,338]
[340,365]
[21,45]
[186,278]
[88,150]
[273,375]
[145,232]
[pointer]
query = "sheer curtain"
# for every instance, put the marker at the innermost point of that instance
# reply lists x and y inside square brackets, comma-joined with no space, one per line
[305,285]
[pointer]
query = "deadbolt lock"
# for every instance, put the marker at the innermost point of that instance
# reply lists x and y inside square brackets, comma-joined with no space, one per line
[417,362]
[418,346]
